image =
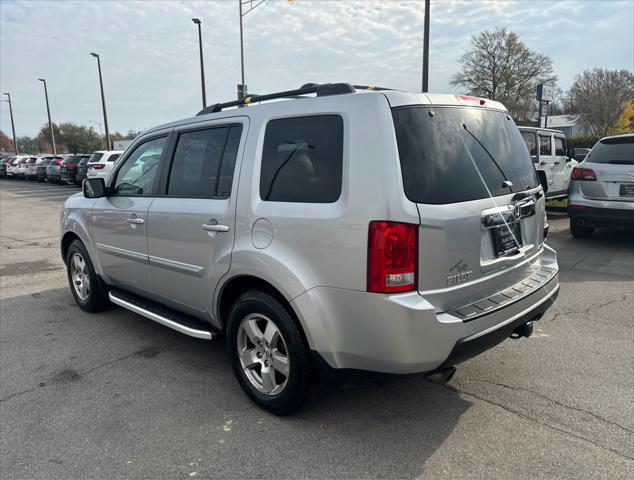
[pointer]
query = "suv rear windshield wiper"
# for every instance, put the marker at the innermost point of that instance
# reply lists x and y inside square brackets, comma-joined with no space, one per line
[507,183]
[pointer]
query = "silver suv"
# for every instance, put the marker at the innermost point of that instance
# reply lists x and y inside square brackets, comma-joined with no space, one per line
[601,191]
[343,228]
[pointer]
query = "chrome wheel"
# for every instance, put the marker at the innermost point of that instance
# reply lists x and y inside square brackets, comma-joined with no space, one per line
[263,354]
[79,275]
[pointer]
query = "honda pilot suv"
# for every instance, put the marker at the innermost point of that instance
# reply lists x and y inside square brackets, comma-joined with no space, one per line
[342,228]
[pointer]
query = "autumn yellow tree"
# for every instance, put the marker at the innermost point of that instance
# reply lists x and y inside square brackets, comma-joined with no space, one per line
[625,122]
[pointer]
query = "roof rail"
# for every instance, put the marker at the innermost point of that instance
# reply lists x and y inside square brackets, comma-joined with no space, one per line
[321,90]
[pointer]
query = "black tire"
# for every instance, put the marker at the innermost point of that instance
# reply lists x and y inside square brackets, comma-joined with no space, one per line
[301,380]
[579,231]
[96,298]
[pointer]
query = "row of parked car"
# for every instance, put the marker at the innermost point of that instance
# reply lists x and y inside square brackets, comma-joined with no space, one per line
[62,169]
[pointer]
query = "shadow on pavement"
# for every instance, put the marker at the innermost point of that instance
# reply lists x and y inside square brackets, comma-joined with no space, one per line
[116,395]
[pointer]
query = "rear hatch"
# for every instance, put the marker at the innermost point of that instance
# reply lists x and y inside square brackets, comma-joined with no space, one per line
[479,200]
[612,161]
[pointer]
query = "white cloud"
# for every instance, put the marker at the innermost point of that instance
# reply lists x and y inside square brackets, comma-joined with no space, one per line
[150,53]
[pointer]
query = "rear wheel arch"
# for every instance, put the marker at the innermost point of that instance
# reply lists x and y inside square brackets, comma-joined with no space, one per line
[236,286]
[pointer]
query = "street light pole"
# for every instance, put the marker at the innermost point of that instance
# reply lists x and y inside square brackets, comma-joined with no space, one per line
[103,101]
[202,66]
[48,111]
[242,88]
[426,48]
[15,141]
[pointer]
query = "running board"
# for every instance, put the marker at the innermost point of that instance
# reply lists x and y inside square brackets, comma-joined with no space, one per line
[180,322]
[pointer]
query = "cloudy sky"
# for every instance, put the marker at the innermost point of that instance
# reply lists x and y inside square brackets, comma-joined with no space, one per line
[149,49]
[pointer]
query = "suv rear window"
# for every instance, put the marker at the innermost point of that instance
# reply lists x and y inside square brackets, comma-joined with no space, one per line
[71,160]
[95,157]
[302,160]
[618,150]
[440,147]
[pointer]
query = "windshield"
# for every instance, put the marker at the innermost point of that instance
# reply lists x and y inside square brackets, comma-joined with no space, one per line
[95,157]
[440,147]
[618,150]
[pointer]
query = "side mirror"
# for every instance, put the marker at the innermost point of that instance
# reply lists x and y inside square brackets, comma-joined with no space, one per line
[94,188]
[543,180]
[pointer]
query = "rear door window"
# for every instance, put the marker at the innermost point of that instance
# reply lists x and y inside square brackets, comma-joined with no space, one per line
[196,165]
[113,157]
[456,154]
[302,160]
[560,147]
[545,146]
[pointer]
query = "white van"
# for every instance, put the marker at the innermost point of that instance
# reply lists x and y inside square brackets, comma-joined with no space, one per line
[549,153]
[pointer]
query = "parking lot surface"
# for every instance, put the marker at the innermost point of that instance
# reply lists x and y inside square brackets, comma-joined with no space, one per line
[114,395]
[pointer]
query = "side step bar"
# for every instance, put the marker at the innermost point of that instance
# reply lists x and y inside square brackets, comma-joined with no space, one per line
[161,314]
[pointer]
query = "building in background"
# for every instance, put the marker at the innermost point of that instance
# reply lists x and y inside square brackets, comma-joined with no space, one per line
[569,125]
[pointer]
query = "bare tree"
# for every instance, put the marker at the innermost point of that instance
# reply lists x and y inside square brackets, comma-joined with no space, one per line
[500,67]
[600,95]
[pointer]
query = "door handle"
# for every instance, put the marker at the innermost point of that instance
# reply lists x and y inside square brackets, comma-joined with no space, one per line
[136,221]
[215,227]
[557,163]
[542,163]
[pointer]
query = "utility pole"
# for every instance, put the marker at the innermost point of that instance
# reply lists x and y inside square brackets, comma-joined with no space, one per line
[426,48]
[103,102]
[202,66]
[48,111]
[15,141]
[242,89]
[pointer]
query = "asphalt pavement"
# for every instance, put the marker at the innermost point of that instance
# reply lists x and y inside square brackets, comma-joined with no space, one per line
[114,395]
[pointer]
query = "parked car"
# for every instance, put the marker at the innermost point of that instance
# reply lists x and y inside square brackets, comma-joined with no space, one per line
[68,168]
[22,166]
[579,154]
[13,167]
[82,170]
[3,165]
[41,165]
[602,187]
[102,161]
[379,230]
[53,169]
[550,155]
[31,168]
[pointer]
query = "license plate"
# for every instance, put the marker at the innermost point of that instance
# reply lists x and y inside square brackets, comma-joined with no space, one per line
[626,190]
[507,239]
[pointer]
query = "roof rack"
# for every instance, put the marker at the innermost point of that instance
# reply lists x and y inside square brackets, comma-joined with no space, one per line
[321,90]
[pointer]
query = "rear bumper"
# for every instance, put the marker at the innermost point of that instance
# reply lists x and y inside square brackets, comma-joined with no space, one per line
[404,334]
[603,217]
[68,177]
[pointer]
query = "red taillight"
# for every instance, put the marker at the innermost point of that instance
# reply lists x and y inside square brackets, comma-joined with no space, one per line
[58,161]
[583,174]
[392,257]
[99,166]
[70,166]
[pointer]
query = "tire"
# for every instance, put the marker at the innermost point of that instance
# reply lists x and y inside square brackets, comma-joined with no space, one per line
[580,232]
[89,296]
[290,392]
